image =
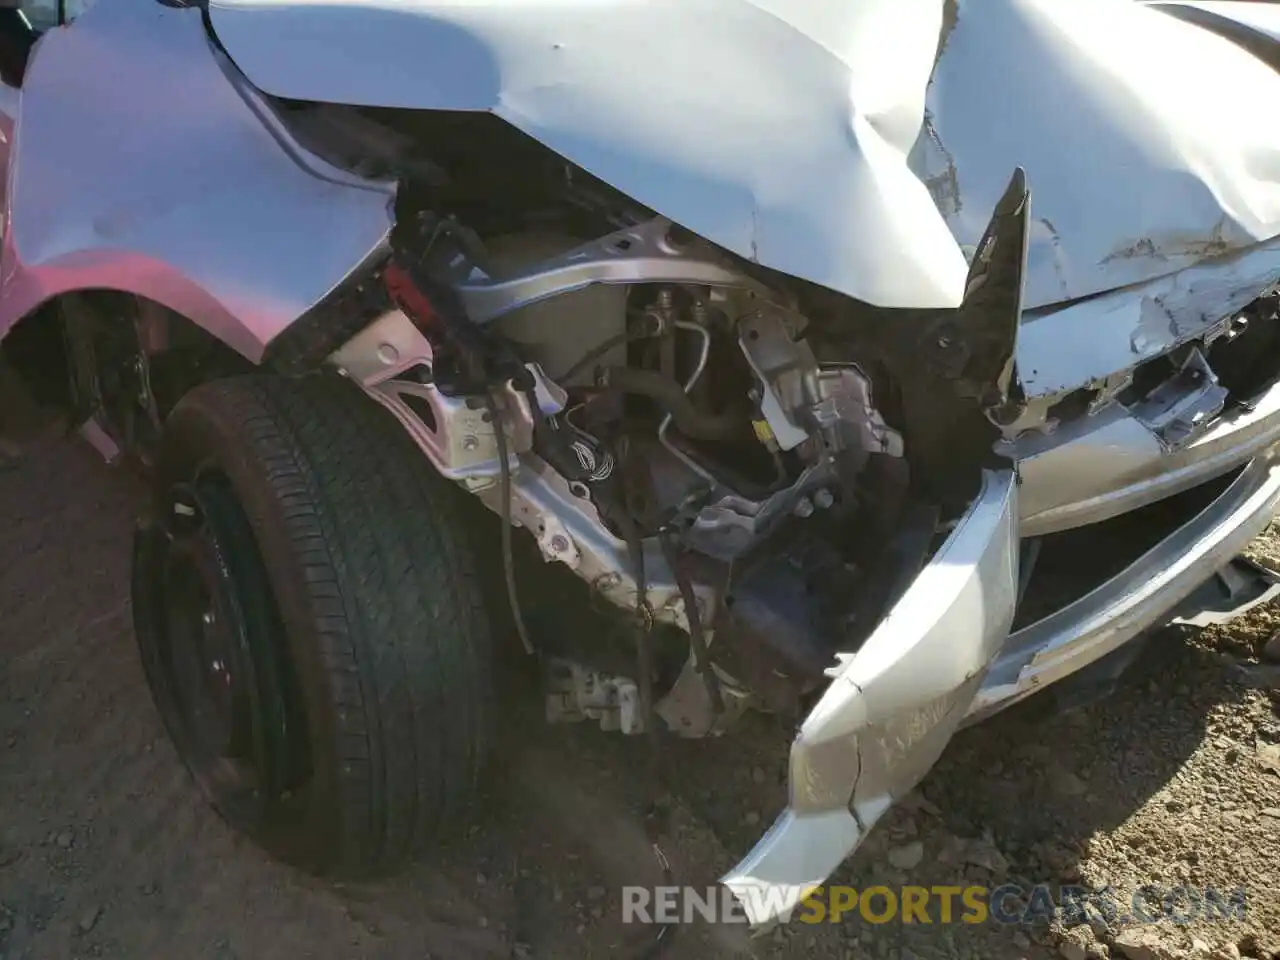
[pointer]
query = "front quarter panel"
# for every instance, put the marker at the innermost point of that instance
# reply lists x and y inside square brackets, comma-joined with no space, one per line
[140,165]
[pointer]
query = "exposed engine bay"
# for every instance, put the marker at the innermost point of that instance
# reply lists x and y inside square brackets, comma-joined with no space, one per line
[677,431]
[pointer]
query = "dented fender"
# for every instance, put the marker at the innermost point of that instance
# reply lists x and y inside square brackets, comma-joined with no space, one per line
[143,163]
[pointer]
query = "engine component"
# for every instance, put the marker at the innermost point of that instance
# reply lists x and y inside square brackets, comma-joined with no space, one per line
[672,397]
[576,693]
[569,529]
[603,485]
[800,401]
[782,363]
[843,411]
[555,333]
[786,614]
[650,252]
[687,709]
[704,353]
[733,524]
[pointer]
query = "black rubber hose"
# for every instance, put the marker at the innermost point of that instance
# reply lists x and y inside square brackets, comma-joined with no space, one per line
[508,558]
[668,394]
[594,354]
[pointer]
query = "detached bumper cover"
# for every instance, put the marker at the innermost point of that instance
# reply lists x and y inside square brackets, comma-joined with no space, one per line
[891,708]
[1141,596]
[943,658]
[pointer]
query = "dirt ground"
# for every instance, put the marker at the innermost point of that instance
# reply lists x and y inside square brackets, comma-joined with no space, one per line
[106,850]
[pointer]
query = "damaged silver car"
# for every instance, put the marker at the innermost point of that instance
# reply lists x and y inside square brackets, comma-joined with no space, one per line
[805,342]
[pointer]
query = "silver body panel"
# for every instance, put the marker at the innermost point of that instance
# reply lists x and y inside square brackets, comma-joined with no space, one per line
[858,145]
[139,165]
[891,707]
[1137,598]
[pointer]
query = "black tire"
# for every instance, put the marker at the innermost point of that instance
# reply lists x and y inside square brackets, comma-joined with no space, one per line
[341,565]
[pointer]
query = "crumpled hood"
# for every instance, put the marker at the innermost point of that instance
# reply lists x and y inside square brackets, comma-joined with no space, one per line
[859,144]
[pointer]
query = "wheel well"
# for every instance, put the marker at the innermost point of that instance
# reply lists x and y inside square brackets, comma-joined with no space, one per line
[37,351]
[180,353]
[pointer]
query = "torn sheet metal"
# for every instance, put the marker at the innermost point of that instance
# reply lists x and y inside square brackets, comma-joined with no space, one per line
[820,139]
[1082,344]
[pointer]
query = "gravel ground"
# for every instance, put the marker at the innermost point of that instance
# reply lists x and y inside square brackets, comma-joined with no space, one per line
[106,849]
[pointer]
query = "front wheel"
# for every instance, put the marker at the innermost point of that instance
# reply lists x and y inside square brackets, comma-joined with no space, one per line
[311,623]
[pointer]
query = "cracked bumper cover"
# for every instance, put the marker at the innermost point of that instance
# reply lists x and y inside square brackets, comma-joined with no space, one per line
[943,658]
[891,708]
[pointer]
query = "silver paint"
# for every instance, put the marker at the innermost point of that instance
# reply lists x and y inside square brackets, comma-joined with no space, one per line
[1102,466]
[892,706]
[858,145]
[140,165]
[1136,598]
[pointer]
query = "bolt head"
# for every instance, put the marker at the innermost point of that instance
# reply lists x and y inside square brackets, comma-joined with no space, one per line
[470,442]
[803,507]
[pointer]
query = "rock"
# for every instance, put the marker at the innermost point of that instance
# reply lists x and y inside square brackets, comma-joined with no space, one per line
[907,856]
[1266,812]
[596,892]
[1269,756]
[757,775]
[983,853]
[1098,951]
[1200,949]
[917,801]
[1036,752]
[1021,940]
[1063,781]
[1071,950]
[1096,921]
[90,919]
[1271,649]
[1140,943]
[66,839]
[1228,951]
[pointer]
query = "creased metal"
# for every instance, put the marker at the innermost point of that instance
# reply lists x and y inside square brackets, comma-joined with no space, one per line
[139,166]
[860,145]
